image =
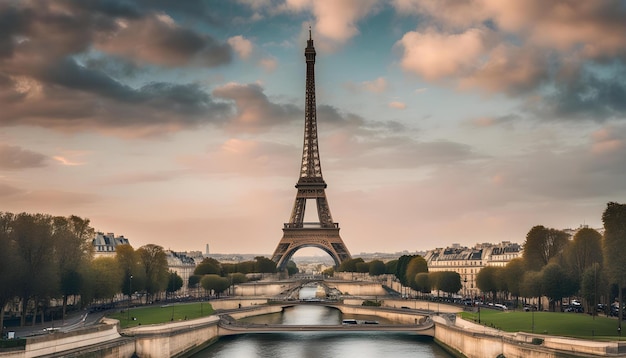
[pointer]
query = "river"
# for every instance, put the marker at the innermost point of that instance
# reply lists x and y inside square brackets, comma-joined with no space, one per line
[320,344]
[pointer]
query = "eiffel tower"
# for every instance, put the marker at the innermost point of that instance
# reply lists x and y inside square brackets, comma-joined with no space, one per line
[298,234]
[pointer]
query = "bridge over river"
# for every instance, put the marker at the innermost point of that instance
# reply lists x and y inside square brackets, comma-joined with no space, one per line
[423,326]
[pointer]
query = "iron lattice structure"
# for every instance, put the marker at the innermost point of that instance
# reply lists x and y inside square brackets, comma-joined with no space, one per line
[298,234]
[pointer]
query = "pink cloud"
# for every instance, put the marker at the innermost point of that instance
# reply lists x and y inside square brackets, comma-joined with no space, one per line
[434,55]
[242,46]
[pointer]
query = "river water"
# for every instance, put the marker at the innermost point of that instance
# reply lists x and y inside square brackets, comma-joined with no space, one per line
[321,344]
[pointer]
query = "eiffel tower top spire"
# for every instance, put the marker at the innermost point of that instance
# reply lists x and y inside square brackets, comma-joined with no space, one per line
[310,170]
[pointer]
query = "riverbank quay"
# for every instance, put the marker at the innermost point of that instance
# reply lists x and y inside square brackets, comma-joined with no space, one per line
[184,338]
[467,339]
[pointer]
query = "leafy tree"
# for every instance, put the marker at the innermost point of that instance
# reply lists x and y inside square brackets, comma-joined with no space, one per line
[556,283]
[449,282]
[292,268]
[513,275]
[215,283]
[8,262]
[37,273]
[174,282]
[541,245]
[614,249]
[330,272]
[416,265]
[391,266]
[362,267]
[208,266]
[73,250]
[349,265]
[403,263]
[194,280]
[237,278]
[583,251]
[486,280]
[133,277]
[103,278]
[154,264]
[377,267]
[421,282]
[592,282]
[264,265]
[531,285]
[246,267]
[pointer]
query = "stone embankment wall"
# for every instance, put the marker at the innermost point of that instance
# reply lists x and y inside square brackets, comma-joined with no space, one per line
[76,343]
[475,341]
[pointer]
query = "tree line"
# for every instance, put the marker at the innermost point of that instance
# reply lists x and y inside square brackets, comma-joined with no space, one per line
[214,276]
[45,257]
[588,265]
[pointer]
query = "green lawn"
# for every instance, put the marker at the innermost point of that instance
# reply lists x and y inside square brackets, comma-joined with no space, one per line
[162,314]
[553,323]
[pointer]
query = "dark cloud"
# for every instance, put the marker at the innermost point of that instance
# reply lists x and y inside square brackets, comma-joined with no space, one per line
[254,110]
[587,96]
[14,157]
[43,83]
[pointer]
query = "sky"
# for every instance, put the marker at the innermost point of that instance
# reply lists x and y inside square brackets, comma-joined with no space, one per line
[180,123]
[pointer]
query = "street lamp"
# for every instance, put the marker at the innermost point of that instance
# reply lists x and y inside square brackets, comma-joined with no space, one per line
[130,290]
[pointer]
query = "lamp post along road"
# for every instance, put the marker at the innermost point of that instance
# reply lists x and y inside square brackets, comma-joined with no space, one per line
[130,295]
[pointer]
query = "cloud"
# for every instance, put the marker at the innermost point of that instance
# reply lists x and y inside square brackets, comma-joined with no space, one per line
[377,86]
[242,46]
[434,55]
[269,64]
[14,158]
[164,43]
[335,21]
[397,105]
[254,111]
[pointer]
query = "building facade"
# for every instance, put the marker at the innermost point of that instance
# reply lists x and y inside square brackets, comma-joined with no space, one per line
[104,244]
[467,262]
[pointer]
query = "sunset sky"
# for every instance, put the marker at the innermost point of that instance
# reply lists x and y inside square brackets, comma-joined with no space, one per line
[180,123]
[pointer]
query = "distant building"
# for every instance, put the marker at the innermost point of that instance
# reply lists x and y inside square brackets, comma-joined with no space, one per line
[467,262]
[104,245]
[183,265]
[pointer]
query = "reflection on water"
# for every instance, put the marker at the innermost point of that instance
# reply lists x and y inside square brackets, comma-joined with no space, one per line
[320,344]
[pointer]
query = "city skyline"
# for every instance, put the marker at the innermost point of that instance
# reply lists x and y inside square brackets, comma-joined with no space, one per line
[180,124]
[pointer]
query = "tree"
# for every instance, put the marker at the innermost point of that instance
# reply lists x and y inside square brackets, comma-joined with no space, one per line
[237,278]
[264,265]
[73,250]
[174,282]
[614,249]
[37,272]
[208,266]
[215,283]
[103,278]
[486,280]
[416,265]
[541,245]
[154,264]
[376,268]
[583,251]
[292,268]
[133,277]
[403,262]
[349,265]
[422,282]
[513,275]
[556,283]
[592,281]
[362,267]
[449,282]
[391,266]
[531,285]
[8,279]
